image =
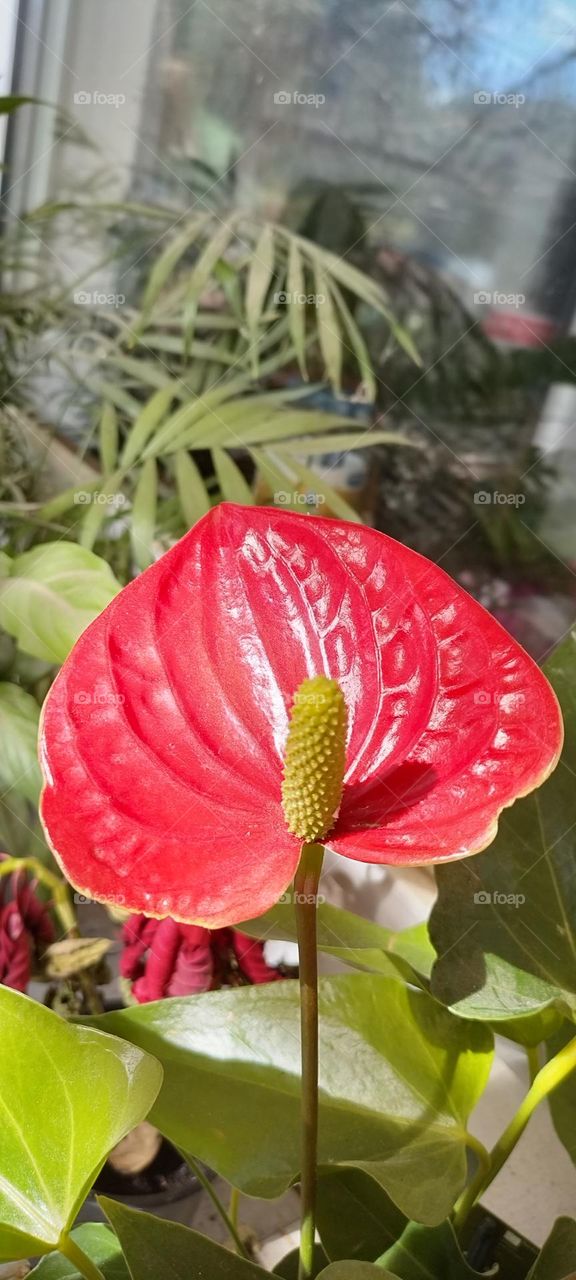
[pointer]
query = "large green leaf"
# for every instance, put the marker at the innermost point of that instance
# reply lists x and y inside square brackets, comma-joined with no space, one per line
[158,1250]
[357,942]
[428,1253]
[68,1095]
[504,925]
[19,768]
[355,1218]
[399,1076]
[50,596]
[101,1246]
[557,1260]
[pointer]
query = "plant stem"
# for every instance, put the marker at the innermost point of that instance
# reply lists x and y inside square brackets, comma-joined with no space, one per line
[305,901]
[81,1261]
[216,1201]
[533,1058]
[552,1074]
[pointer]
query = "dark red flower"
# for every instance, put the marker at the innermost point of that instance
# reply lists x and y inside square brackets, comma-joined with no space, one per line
[165,958]
[163,735]
[25,929]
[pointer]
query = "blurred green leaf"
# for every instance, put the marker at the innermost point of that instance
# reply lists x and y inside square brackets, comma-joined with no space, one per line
[557,1260]
[424,1253]
[101,1246]
[149,418]
[192,493]
[19,768]
[108,438]
[143,524]
[232,483]
[355,1217]
[53,592]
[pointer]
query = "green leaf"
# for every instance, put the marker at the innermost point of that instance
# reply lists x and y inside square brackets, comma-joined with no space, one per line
[192,492]
[203,269]
[504,925]
[295,287]
[104,506]
[398,1078]
[69,1094]
[318,483]
[108,438]
[424,1253]
[148,419]
[562,1100]
[355,1217]
[260,272]
[102,1247]
[362,438]
[53,592]
[155,1248]
[355,941]
[328,329]
[166,264]
[232,483]
[557,1260]
[19,768]
[143,524]
[357,346]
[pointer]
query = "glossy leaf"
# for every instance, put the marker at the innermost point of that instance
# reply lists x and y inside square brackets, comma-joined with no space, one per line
[166,792]
[355,1217]
[154,1247]
[557,1261]
[19,768]
[424,1253]
[350,938]
[69,1094]
[51,595]
[398,1078]
[504,926]
[101,1246]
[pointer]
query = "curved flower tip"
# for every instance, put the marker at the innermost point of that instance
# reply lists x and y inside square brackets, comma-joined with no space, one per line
[163,737]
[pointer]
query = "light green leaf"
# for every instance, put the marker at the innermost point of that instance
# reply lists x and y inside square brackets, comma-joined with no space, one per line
[150,417]
[194,498]
[108,438]
[357,345]
[363,438]
[288,1267]
[350,938]
[562,1100]
[355,1217]
[155,1248]
[101,1246]
[260,272]
[398,1078]
[504,925]
[143,523]
[53,592]
[232,483]
[328,328]
[203,269]
[19,768]
[104,505]
[319,484]
[295,287]
[557,1260]
[167,262]
[424,1253]
[69,1094]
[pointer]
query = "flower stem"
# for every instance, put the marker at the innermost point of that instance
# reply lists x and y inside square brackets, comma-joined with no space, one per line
[305,901]
[216,1201]
[81,1261]
[552,1074]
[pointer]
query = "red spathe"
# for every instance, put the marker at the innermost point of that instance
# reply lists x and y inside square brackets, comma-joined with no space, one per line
[162,737]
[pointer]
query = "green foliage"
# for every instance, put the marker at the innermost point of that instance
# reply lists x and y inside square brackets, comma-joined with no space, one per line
[69,1094]
[237,1054]
[49,595]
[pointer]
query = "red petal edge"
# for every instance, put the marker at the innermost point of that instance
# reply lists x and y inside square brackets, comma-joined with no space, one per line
[162,736]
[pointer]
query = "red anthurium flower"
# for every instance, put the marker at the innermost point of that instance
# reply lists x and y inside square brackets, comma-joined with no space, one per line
[163,735]
[25,929]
